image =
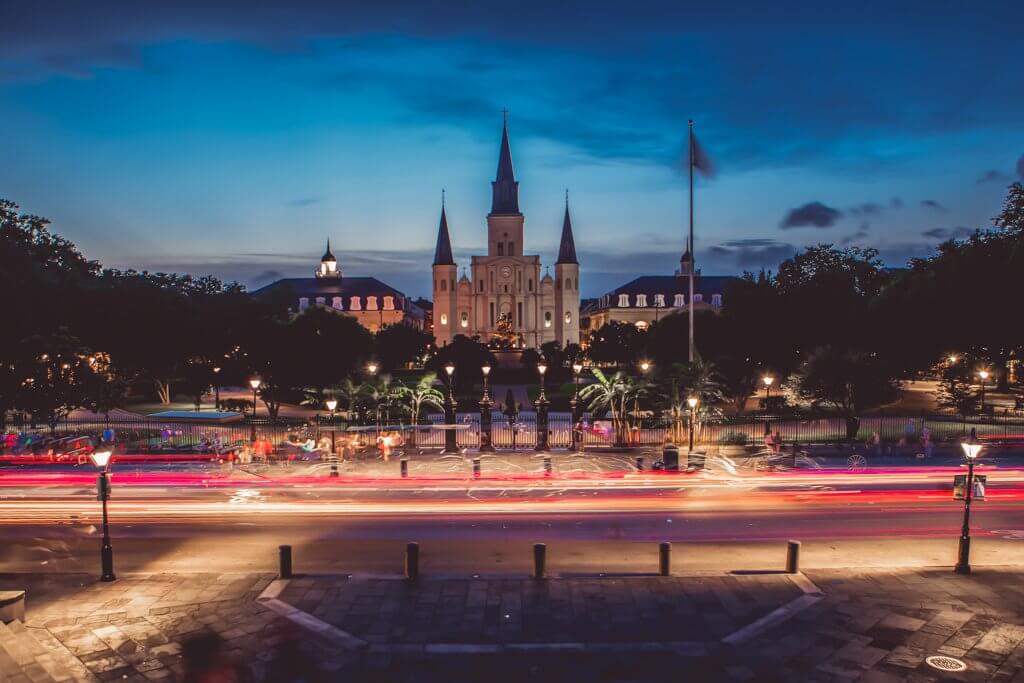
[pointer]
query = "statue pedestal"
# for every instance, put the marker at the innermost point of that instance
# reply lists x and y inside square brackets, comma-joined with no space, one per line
[509,358]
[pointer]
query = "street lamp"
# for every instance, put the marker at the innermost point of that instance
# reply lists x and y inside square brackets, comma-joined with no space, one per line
[332,404]
[542,412]
[768,381]
[983,374]
[692,402]
[255,384]
[216,388]
[577,428]
[963,564]
[372,369]
[486,426]
[101,459]
[645,366]
[451,445]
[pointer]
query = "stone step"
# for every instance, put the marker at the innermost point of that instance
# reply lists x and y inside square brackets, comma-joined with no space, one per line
[24,658]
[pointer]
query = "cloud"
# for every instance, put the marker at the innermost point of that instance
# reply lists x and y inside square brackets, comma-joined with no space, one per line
[813,214]
[754,253]
[304,201]
[948,233]
[866,209]
[850,239]
[932,204]
[994,176]
[896,203]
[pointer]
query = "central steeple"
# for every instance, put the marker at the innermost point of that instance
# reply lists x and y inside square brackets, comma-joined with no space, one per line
[505,189]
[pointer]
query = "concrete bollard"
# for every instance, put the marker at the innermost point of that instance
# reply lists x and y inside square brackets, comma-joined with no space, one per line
[793,557]
[639,464]
[403,467]
[540,552]
[476,468]
[664,558]
[285,562]
[412,560]
[547,465]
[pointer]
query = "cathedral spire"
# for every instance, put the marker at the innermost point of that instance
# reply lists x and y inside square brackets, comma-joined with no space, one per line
[505,189]
[443,250]
[567,247]
[328,256]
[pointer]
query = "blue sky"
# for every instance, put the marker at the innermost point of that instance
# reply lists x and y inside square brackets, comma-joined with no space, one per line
[209,138]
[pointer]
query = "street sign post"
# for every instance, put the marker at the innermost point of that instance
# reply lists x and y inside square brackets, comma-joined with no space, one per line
[960,483]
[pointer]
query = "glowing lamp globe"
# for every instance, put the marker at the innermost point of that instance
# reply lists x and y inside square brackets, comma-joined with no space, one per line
[541,368]
[486,370]
[692,401]
[331,404]
[371,368]
[767,379]
[972,450]
[450,369]
[255,383]
[577,368]
[100,458]
[983,374]
[645,366]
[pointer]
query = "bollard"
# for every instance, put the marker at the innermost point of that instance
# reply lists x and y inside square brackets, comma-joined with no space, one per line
[664,558]
[285,562]
[547,465]
[793,557]
[539,560]
[412,560]
[403,467]
[476,468]
[639,464]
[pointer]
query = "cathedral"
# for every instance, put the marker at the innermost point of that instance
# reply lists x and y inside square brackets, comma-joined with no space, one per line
[505,297]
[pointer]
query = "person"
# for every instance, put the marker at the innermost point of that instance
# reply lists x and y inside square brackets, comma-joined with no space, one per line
[769,442]
[875,443]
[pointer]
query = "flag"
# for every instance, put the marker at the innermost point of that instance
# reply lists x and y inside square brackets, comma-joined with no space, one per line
[699,156]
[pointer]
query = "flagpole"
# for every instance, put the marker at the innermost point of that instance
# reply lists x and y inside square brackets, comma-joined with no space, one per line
[690,242]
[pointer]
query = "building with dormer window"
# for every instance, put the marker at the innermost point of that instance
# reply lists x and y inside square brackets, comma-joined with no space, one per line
[359,297]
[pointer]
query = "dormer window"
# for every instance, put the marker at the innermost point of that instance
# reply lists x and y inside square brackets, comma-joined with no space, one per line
[698,299]
[371,303]
[389,303]
[679,301]
[641,300]
[336,303]
[303,303]
[716,300]
[659,300]
[623,300]
[354,305]
[320,301]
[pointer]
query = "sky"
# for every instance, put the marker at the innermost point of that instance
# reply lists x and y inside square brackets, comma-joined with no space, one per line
[233,139]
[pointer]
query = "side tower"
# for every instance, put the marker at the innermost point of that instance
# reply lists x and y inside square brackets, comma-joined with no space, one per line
[445,293]
[505,221]
[567,286]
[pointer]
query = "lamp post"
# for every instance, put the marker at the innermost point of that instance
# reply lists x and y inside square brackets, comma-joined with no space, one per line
[692,402]
[983,374]
[332,404]
[486,444]
[963,563]
[216,388]
[768,380]
[372,369]
[645,365]
[101,459]
[577,428]
[451,445]
[255,384]
[542,412]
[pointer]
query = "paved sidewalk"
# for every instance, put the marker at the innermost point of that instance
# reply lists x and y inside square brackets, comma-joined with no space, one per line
[869,625]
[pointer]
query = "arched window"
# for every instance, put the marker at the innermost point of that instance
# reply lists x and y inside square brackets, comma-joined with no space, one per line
[444,318]
[353,304]
[568,283]
[529,284]
[481,285]
[623,300]
[547,318]
[716,300]
[444,285]
[501,248]
[641,300]
[568,318]
[679,301]
[389,303]
[464,319]
[511,248]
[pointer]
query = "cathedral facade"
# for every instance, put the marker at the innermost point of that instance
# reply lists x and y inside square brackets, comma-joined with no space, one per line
[505,296]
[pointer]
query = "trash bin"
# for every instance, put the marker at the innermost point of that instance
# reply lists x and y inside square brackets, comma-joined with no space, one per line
[670,458]
[696,459]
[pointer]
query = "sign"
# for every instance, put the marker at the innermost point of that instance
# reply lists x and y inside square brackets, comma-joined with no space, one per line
[960,483]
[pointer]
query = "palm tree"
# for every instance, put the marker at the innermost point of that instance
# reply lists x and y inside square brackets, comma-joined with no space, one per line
[614,394]
[683,380]
[419,395]
[384,393]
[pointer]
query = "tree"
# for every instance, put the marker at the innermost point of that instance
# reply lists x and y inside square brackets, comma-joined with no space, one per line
[957,392]
[419,395]
[678,383]
[614,394]
[1011,218]
[468,356]
[848,380]
[399,346]
[56,369]
[616,343]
